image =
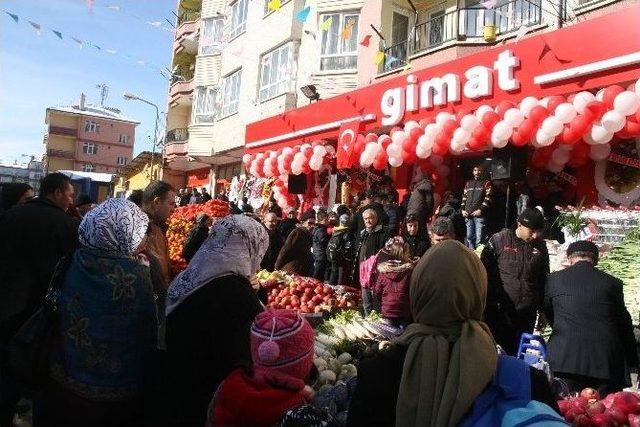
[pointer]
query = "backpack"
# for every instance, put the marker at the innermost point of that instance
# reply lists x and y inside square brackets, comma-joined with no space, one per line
[507,401]
[336,248]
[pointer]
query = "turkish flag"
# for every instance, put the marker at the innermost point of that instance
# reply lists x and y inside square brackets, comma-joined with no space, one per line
[345,156]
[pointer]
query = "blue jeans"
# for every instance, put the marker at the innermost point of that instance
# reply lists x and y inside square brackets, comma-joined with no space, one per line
[369,302]
[475,227]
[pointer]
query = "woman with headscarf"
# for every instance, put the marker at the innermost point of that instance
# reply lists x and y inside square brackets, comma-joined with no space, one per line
[295,256]
[106,329]
[438,367]
[210,307]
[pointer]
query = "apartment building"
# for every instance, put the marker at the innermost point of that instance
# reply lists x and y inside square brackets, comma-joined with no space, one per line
[87,138]
[31,173]
[236,63]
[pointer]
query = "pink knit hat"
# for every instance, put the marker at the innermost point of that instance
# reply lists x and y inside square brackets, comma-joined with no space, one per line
[282,342]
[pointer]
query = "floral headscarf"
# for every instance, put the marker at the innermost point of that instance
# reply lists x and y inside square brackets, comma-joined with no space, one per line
[117,226]
[236,245]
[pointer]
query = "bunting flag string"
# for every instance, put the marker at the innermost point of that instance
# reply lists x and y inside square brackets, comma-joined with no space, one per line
[304,14]
[157,24]
[365,40]
[81,43]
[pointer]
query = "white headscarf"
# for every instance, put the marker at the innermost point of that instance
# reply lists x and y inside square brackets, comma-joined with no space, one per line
[236,245]
[117,225]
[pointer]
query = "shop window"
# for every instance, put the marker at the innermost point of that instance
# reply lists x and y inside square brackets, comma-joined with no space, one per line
[238,18]
[339,45]
[276,72]
[90,126]
[121,161]
[89,148]
[211,35]
[205,99]
[87,167]
[123,138]
[230,94]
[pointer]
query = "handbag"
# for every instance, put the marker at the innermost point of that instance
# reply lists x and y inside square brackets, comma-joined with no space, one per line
[28,352]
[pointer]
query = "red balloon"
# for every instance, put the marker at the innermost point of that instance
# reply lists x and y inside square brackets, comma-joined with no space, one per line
[359,145]
[449,126]
[416,133]
[394,130]
[568,136]
[476,144]
[443,140]
[379,164]
[489,119]
[247,166]
[440,150]
[554,101]
[308,152]
[296,149]
[481,133]
[610,94]
[595,110]
[385,141]
[580,125]
[503,106]
[527,129]
[371,137]
[409,144]
[424,122]
[631,128]
[306,168]
[409,157]
[518,140]
[538,114]
[637,115]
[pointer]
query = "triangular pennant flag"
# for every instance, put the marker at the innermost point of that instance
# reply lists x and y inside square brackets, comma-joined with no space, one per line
[36,27]
[13,16]
[274,5]
[80,42]
[346,32]
[489,4]
[156,24]
[114,7]
[90,4]
[303,14]
[365,40]
[57,33]
[379,57]
[111,51]
[327,24]
[96,46]
[141,62]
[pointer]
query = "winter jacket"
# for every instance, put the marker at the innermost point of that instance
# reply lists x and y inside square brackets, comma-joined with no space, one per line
[592,329]
[35,235]
[286,226]
[395,215]
[451,210]
[391,284]
[371,242]
[320,239]
[295,256]
[194,240]
[158,248]
[418,244]
[476,195]
[357,225]
[516,272]
[275,245]
[421,200]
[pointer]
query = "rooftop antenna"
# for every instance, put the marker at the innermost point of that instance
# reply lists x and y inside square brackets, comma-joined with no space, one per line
[104,92]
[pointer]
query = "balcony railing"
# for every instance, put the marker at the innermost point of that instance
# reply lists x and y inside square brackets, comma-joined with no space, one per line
[188,16]
[59,130]
[51,152]
[175,149]
[178,135]
[462,24]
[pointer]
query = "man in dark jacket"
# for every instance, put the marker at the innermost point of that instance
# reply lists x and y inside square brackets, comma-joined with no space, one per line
[205,196]
[451,210]
[185,197]
[517,264]
[197,236]
[592,341]
[372,239]
[475,202]
[394,212]
[420,203]
[270,221]
[35,236]
[319,248]
[288,224]
[368,202]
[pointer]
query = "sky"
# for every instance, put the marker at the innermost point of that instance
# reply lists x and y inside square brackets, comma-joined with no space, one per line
[40,71]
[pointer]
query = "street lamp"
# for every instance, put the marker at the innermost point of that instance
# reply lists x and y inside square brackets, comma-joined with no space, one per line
[128,96]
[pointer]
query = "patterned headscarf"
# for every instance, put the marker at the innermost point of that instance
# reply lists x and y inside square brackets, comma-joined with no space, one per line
[236,245]
[117,226]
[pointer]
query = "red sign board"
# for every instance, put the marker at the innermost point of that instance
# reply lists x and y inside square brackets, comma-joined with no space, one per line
[591,54]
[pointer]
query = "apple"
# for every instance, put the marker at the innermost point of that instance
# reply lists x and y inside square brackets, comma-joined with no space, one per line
[602,420]
[564,405]
[617,416]
[627,402]
[590,393]
[595,407]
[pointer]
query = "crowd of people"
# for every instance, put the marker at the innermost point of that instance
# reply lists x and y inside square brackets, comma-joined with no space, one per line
[132,346]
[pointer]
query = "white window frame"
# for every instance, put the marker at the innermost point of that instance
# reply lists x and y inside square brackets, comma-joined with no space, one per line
[124,138]
[273,70]
[88,167]
[121,160]
[204,105]
[91,126]
[230,101]
[239,11]
[343,18]
[211,32]
[89,148]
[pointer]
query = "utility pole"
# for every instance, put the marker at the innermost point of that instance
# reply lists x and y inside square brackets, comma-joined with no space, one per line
[104,92]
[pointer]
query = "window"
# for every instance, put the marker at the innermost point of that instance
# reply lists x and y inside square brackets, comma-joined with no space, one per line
[211,36]
[87,167]
[238,18]
[205,100]
[230,94]
[90,126]
[338,52]
[89,148]
[121,161]
[123,138]
[275,75]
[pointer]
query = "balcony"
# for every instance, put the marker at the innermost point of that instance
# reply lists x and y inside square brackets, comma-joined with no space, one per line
[181,93]
[463,25]
[178,135]
[61,154]
[188,15]
[62,131]
[175,149]
[187,37]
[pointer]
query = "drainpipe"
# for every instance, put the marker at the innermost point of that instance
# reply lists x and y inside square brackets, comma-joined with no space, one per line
[561,12]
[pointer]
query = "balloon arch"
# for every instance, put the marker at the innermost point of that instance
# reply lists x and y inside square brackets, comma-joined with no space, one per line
[563,131]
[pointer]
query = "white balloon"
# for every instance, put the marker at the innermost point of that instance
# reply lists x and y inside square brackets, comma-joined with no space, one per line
[246,158]
[398,137]
[316,162]
[581,100]
[422,150]
[273,154]
[410,125]
[287,150]
[545,102]
[443,116]
[587,138]
[457,147]
[613,121]
[552,126]
[426,142]
[600,152]
[482,110]
[461,135]
[638,87]
[330,150]
[502,130]
[319,150]
[600,135]
[600,95]
[371,146]
[469,122]
[626,103]
[497,142]
[565,112]
[259,156]
[527,104]
[436,160]
[543,139]
[514,117]
[395,162]
[560,156]
[431,132]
